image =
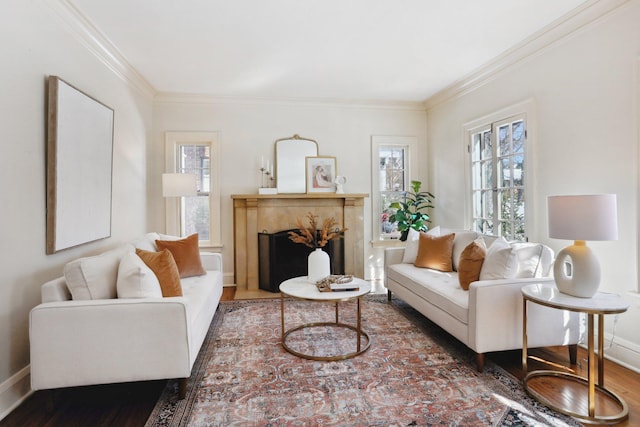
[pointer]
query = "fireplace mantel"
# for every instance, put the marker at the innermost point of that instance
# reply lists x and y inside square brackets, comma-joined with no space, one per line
[255,213]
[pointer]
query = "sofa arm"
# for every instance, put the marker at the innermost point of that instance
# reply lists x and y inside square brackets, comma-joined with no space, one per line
[211,261]
[75,343]
[495,318]
[393,256]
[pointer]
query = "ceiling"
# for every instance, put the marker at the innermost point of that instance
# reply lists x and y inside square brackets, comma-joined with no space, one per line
[377,50]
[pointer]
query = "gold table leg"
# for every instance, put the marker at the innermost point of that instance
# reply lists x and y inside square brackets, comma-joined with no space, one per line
[591,375]
[524,335]
[601,350]
[359,326]
[282,315]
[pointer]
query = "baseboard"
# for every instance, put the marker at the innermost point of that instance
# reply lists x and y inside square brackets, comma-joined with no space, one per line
[14,391]
[622,352]
[228,278]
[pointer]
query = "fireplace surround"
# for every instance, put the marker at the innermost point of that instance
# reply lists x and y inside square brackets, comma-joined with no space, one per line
[265,213]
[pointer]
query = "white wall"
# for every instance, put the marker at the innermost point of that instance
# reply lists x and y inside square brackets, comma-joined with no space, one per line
[585,141]
[248,131]
[36,43]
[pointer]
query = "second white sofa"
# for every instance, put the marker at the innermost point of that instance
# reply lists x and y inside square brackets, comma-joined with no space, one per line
[488,316]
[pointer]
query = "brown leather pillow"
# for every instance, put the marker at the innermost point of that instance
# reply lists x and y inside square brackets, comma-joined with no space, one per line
[470,264]
[165,269]
[435,252]
[186,253]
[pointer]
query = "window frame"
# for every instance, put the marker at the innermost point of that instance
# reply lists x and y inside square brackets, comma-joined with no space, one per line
[525,111]
[409,144]
[173,205]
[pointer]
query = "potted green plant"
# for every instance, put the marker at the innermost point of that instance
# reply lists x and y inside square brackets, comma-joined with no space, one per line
[410,213]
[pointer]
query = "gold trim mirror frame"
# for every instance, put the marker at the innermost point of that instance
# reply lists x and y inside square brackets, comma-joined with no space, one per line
[291,164]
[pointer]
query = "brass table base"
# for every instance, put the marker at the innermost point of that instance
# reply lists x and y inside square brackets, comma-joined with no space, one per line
[359,349]
[585,418]
[337,324]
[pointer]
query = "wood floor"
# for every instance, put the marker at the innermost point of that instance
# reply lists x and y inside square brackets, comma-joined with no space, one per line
[129,405]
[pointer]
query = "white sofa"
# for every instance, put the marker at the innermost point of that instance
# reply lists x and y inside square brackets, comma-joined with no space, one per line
[111,340]
[488,316]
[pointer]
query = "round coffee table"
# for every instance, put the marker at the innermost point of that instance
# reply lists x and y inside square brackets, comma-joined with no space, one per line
[301,289]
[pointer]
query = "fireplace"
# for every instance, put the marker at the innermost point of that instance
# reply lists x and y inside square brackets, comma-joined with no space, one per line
[254,214]
[282,259]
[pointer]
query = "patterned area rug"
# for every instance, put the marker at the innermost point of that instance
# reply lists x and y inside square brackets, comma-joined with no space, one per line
[410,376]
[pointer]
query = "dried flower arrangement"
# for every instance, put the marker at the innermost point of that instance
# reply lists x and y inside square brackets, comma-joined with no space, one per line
[312,237]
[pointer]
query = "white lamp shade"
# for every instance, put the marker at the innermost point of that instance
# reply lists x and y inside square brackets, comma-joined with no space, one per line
[576,270]
[179,185]
[584,217]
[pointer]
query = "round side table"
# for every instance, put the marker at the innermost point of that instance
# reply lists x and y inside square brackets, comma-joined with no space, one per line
[600,304]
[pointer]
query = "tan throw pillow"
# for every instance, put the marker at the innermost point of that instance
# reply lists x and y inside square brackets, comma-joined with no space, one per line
[470,263]
[435,252]
[412,242]
[165,269]
[186,253]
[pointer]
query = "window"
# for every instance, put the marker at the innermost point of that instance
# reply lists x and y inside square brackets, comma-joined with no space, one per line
[390,168]
[497,152]
[195,153]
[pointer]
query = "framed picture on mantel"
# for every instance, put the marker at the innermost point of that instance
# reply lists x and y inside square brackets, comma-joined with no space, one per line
[321,174]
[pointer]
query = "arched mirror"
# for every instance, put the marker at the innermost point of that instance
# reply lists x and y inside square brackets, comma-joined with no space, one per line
[290,163]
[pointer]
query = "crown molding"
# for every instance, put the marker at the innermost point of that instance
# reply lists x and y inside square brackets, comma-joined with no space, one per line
[588,13]
[99,45]
[186,98]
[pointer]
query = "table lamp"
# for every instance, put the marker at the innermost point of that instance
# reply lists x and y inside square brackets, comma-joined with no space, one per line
[581,218]
[179,185]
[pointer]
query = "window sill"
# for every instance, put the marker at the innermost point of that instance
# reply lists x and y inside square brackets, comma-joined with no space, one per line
[208,245]
[391,243]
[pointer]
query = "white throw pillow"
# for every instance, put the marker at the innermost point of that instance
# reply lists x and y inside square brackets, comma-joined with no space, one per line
[136,280]
[147,242]
[411,247]
[95,277]
[528,256]
[461,241]
[500,262]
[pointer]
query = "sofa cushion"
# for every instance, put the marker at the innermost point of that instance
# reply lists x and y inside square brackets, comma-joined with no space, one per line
[529,257]
[197,290]
[95,277]
[500,261]
[439,288]
[435,252]
[471,260]
[186,254]
[412,242]
[165,269]
[136,280]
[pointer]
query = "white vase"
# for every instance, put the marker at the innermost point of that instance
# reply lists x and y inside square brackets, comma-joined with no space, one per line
[319,265]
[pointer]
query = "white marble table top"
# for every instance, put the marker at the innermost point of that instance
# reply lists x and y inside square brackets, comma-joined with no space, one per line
[300,287]
[601,303]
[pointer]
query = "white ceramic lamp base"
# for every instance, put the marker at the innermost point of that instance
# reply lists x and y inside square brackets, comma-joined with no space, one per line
[577,271]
